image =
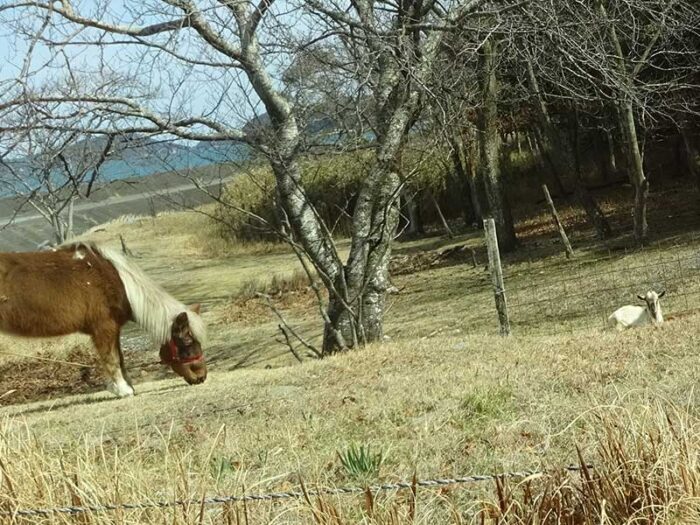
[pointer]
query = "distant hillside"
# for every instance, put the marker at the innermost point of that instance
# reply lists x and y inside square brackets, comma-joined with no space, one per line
[158,157]
[141,156]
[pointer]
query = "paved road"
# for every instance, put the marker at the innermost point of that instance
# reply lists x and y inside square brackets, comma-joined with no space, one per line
[28,230]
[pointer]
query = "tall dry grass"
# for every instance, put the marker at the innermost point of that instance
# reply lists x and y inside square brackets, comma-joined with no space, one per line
[646,470]
[295,281]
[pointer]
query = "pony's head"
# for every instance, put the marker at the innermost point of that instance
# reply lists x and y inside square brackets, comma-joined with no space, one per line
[183,352]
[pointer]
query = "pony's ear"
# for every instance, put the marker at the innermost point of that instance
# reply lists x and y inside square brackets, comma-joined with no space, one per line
[181,321]
[196,308]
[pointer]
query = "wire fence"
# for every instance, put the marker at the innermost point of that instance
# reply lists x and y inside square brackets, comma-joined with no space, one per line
[589,291]
[287,495]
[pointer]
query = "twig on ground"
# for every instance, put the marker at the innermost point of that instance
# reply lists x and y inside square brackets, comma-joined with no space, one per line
[286,325]
[285,333]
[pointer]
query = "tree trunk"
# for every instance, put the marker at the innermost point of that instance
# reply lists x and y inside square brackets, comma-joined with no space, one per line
[413,214]
[547,158]
[302,217]
[636,174]
[460,171]
[531,144]
[69,226]
[58,230]
[551,149]
[281,216]
[489,146]
[593,211]
[339,323]
[691,155]
[625,114]
[309,231]
[340,328]
[610,160]
[365,278]
[476,184]
[557,155]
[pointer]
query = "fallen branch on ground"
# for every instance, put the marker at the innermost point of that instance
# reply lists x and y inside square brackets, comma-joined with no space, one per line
[287,329]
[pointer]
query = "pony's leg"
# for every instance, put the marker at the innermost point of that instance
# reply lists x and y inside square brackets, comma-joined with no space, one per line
[112,361]
[122,367]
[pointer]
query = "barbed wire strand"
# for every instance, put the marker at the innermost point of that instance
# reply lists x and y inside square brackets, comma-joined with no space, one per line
[277,496]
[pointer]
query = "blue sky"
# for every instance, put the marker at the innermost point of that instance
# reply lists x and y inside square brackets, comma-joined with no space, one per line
[197,93]
[13,51]
[13,46]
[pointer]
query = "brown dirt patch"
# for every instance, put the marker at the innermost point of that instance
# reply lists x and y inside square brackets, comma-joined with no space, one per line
[48,376]
[26,380]
[255,311]
[404,264]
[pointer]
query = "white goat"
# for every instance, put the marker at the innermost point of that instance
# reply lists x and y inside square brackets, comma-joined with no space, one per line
[630,315]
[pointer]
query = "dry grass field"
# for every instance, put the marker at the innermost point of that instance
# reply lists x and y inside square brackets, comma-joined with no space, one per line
[443,396]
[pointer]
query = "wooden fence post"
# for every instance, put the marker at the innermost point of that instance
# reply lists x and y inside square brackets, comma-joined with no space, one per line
[557,223]
[497,275]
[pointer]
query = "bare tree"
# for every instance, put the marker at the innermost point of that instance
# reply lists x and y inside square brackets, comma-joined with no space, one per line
[489,147]
[559,153]
[390,49]
[634,59]
[467,105]
[229,52]
[49,170]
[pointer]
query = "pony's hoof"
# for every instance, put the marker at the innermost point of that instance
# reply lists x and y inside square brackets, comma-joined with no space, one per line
[121,389]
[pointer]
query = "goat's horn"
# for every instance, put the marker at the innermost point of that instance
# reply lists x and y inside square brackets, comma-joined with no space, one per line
[662,294]
[641,298]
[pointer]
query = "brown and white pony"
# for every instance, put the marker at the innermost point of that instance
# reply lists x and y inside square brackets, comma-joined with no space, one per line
[91,289]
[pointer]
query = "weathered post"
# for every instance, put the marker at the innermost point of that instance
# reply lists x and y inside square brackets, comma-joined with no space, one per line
[497,275]
[557,223]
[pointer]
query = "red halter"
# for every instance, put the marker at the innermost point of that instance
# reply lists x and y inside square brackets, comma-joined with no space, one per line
[175,357]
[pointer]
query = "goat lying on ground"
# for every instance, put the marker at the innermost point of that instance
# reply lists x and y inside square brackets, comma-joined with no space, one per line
[630,315]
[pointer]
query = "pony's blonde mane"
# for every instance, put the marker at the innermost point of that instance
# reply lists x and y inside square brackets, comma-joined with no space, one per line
[152,307]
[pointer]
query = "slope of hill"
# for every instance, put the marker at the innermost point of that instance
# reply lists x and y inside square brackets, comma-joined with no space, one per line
[443,397]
